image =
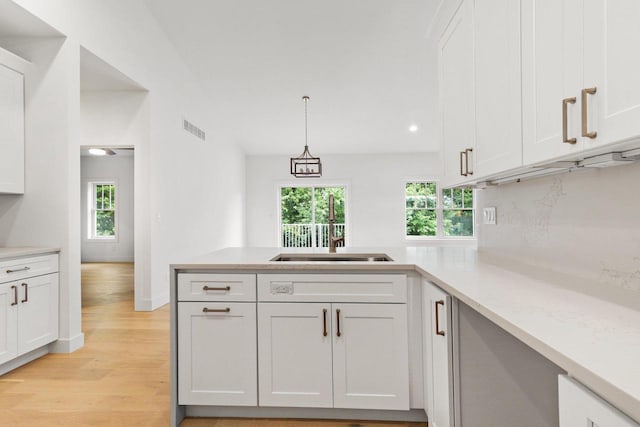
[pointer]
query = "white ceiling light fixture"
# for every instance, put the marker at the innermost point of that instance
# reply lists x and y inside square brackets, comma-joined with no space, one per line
[101,152]
[413,128]
[305,165]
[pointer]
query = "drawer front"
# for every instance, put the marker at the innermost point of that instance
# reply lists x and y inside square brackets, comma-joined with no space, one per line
[216,287]
[390,288]
[22,268]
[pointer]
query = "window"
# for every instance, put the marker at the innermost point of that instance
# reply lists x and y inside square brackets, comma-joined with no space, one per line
[102,210]
[304,216]
[431,212]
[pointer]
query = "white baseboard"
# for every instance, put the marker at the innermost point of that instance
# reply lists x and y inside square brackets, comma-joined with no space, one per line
[23,360]
[67,345]
[151,304]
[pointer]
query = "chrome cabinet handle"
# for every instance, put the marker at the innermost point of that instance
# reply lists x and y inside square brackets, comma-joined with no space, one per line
[565,121]
[338,333]
[18,269]
[15,295]
[585,126]
[324,322]
[438,331]
[216,310]
[26,292]
[222,288]
[466,161]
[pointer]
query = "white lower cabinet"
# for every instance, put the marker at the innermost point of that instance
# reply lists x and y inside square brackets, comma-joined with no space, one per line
[370,356]
[322,355]
[217,354]
[580,407]
[37,315]
[438,356]
[9,322]
[28,306]
[294,343]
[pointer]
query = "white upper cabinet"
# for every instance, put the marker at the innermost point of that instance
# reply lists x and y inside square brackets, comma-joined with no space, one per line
[581,81]
[498,99]
[455,51]
[551,78]
[612,66]
[480,84]
[11,129]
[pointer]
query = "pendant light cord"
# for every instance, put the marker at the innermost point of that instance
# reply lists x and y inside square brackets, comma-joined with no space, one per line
[306,142]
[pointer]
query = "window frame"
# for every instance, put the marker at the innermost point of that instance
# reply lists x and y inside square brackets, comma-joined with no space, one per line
[312,184]
[440,236]
[91,210]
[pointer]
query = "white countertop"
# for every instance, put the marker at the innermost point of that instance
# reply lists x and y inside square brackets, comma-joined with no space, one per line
[8,253]
[573,324]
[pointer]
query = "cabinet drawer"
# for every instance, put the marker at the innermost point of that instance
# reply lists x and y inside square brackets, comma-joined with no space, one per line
[390,288]
[216,287]
[21,268]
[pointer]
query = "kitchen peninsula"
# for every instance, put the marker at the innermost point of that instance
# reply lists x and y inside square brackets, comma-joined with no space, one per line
[573,330]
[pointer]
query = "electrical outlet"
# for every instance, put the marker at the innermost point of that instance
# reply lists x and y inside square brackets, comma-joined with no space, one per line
[489,215]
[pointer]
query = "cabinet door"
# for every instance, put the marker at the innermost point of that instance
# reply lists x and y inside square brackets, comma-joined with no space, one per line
[8,322]
[370,356]
[294,341]
[579,407]
[498,122]
[611,37]
[11,131]
[217,354]
[457,94]
[552,61]
[37,312]
[438,343]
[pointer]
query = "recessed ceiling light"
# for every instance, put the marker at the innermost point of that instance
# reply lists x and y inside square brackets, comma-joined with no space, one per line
[97,151]
[413,128]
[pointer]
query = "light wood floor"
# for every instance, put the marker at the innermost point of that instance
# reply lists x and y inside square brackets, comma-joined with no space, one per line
[120,377]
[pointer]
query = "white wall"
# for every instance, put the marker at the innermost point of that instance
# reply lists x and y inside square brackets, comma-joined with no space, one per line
[375,210]
[584,224]
[189,182]
[120,170]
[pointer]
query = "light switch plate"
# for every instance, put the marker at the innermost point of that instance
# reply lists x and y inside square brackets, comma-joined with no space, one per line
[489,215]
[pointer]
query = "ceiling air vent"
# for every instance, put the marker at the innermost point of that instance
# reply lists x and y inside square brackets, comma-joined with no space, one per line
[194,130]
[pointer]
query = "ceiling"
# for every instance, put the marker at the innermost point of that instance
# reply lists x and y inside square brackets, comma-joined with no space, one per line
[366,64]
[98,75]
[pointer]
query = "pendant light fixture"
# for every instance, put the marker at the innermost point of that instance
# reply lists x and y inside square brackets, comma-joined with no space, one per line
[305,165]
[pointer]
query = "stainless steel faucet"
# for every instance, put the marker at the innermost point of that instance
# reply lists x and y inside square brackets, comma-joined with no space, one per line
[333,241]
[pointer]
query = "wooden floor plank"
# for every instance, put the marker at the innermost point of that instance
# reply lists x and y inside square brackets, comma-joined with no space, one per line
[120,377]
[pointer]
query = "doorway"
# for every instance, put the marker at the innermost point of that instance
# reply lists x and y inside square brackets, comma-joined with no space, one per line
[107,221]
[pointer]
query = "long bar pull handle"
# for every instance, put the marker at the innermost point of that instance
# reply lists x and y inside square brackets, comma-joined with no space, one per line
[221,288]
[466,157]
[216,310]
[565,121]
[18,269]
[338,333]
[26,292]
[15,295]
[585,125]
[438,331]
[324,322]
[462,162]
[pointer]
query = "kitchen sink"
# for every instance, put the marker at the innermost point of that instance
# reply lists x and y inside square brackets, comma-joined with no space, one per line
[332,257]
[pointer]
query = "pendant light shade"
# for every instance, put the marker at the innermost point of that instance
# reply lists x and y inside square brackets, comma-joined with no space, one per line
[305,165]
